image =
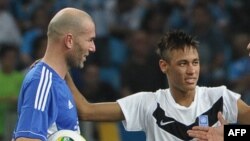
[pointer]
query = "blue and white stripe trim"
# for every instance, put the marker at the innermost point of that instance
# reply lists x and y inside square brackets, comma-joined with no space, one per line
[43,89]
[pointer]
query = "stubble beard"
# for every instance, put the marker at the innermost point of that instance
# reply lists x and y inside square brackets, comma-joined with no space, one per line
[74,58]
[73,62]
[81,65]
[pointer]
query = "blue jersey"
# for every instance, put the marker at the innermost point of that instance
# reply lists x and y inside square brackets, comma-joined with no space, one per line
[45,104]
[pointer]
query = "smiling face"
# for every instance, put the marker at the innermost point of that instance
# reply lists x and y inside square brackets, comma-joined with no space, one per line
[182,69]
[74,29]
[83,44]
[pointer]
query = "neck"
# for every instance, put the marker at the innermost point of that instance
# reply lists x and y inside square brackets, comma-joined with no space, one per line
[56,60]
[183,98]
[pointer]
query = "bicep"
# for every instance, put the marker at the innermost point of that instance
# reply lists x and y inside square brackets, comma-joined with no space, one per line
[33,112]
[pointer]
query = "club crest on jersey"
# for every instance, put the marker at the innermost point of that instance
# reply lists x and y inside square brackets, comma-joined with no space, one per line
[203,120]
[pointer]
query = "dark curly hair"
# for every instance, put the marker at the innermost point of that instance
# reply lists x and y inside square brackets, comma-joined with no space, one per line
[175,40]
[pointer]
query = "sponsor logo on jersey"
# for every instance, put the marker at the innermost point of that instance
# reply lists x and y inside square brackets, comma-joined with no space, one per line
[162,123]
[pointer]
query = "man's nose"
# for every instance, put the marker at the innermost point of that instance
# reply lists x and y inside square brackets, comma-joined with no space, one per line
[92,48]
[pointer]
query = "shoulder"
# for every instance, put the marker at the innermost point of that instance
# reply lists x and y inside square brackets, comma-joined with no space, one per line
[142,95]
[32,75]
[145,97]
[217,89]
[213,92]
[39,73]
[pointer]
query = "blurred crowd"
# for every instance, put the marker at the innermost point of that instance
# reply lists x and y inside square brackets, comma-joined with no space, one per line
[127,34]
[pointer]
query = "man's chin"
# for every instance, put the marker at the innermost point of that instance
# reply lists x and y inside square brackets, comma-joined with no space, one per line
[81,65]
[191,87]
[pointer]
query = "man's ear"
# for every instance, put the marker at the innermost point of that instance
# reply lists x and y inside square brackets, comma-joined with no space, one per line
[163,65]
[68,40]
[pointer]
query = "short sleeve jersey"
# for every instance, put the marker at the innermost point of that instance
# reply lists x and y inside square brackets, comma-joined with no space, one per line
[45,104]
[162,119]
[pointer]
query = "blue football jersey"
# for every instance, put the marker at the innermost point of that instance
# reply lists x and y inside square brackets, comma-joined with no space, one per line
[45,104]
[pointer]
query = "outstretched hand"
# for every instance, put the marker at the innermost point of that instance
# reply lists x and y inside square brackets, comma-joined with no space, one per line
[209,133]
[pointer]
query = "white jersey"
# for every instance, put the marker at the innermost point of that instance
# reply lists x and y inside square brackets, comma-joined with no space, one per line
[162,119]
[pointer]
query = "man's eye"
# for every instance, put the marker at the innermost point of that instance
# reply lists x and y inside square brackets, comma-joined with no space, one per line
[196,63]
[182,64]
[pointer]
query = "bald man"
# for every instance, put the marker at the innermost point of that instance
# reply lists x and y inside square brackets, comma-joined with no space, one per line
[45,103]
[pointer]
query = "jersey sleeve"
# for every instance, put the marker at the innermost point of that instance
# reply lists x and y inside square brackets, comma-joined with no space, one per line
[230,105]
[134,108]
[36,108]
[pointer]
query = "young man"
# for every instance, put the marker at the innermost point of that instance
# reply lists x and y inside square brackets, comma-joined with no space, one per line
[210,133]
[45,103]
[167,114]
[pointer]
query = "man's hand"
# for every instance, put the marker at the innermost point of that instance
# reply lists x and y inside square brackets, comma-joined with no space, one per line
[209,133]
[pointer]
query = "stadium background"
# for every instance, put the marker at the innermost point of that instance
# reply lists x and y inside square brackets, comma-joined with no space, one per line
[125,61]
